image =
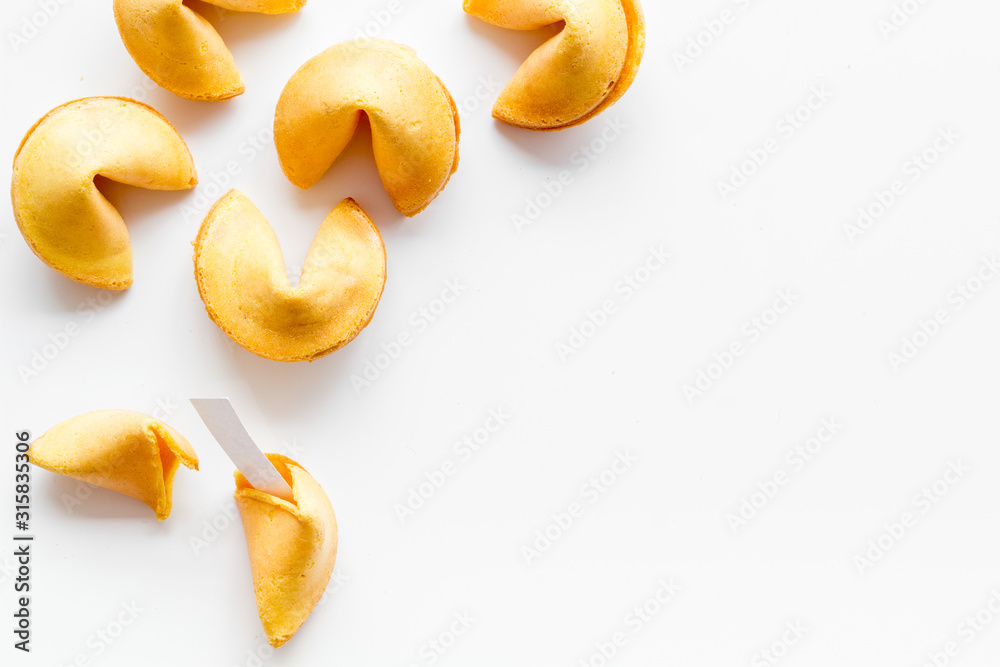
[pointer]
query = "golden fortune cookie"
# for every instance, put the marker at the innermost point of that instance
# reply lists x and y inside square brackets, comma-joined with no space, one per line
[242,280]
[180,50]
[292,548]
[576,74]
[121,450]
[63,217]
[413,118]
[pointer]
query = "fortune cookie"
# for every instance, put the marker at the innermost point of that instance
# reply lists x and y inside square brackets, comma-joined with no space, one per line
[124,451]
[63,217]
[242,280]
[576,74]
[413,118]
[292,548]
[180,50]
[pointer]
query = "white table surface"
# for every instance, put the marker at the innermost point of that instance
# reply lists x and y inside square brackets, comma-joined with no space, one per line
[456,573]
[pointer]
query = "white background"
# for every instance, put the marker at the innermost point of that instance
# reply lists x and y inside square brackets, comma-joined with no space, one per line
[683,130]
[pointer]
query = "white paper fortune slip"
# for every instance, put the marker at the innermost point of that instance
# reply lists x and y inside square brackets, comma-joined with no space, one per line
[222,420]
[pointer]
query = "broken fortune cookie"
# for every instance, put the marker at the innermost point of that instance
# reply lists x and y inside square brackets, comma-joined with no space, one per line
[121,450]
[292,548]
